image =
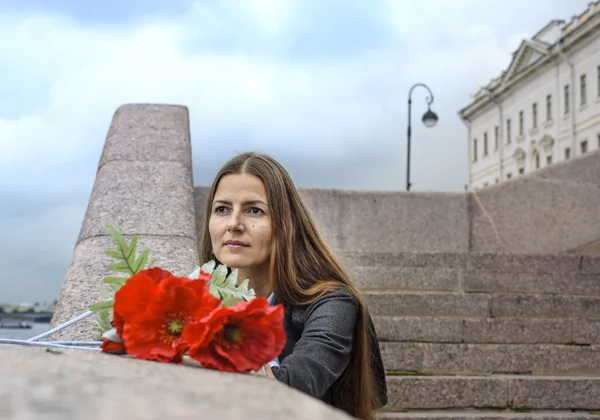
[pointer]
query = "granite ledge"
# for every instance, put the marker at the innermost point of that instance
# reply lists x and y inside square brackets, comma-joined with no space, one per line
[79,384]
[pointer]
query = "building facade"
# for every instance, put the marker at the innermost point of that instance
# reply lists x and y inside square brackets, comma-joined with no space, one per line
[544,109]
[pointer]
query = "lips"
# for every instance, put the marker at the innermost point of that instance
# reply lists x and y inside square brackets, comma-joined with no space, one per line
[236,244]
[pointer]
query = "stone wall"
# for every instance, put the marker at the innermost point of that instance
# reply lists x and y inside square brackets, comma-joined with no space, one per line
[371,221]
[552,211]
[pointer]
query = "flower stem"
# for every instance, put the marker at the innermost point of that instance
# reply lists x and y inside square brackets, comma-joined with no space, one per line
[46,344]
[61,327]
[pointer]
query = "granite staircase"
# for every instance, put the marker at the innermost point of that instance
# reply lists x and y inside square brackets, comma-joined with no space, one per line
[485,336]
[463,336]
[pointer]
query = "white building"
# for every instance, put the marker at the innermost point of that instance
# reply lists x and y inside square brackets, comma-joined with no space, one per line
[543,109]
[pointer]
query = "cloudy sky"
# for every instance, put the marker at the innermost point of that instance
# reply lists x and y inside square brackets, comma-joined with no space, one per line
[319,84]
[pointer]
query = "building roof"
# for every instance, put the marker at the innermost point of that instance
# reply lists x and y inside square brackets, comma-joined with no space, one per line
[532,51]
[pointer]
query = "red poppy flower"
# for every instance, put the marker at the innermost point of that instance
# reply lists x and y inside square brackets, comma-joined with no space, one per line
[239,338]
[155,314]
[205,275]
[112,347]
[133,299]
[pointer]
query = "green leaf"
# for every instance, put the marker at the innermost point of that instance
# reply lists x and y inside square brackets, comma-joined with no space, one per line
[114,235]
[100,332]
[225,287]
[125,254]
[115,287]
[115,280]
[127,262]
[121,267]
[139,264]
[117,239]
[96,307]
[209,267]
[231,301]
[113,254]
[107,295]
[103,318]
[131,252]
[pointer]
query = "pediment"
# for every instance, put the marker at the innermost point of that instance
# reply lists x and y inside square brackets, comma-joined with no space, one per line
[528,53]
[529,57]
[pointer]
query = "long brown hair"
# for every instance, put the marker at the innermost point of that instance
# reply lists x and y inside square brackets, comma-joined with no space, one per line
[302,268]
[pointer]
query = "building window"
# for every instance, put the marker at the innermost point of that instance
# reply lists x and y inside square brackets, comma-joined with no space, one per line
[584,147]
[474,150]
[548,107]
[567,153]
[598,141]
[548,160]
[537,161]
[582,89]
[534,115]
[521,171]
[496,138]
[485,144]
[508,139]
[567,96]
[521,122]
[496,180]
[508,175]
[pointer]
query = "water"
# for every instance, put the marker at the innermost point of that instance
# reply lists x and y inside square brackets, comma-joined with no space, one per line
[37,328]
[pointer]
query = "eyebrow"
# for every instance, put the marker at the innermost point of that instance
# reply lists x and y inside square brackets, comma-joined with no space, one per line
[249,202]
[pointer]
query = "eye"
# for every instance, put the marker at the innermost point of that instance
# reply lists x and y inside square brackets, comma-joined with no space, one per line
[220,209]
[255,210]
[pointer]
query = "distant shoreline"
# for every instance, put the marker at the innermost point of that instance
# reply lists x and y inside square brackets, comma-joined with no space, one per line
[40,317]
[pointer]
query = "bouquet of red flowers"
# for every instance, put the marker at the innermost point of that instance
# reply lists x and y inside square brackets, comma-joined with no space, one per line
[206,316]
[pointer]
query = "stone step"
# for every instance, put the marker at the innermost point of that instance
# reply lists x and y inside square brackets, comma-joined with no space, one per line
[406,278]
[481,359]
[514,392]
[411,303]
[455,329]
[477,261]
[427,303]
[489,415]
[482,273]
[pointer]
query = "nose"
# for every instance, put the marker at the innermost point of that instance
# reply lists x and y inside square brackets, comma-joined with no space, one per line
[235,222]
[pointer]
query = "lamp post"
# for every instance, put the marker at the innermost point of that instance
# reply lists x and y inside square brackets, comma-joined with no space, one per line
[429,119]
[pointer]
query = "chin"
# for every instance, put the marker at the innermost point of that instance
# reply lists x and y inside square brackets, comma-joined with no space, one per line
[236,261]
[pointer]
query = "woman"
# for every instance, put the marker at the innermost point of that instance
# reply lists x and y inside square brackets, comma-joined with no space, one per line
[255,221]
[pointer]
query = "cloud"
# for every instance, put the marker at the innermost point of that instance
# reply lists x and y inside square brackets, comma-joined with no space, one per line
[322,86]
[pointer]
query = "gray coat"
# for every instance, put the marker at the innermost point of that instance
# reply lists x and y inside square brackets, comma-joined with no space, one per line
[319,348]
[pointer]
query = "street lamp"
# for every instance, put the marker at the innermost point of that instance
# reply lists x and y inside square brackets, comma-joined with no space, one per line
[430,119]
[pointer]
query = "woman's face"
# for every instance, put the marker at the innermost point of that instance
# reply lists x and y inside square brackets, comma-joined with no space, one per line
[240,223]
